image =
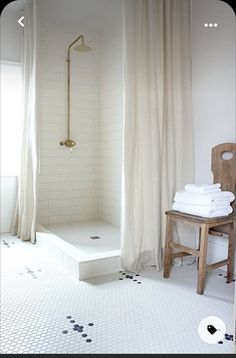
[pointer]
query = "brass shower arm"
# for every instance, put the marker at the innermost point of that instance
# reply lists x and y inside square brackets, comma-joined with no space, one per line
[69,47]
[79,37]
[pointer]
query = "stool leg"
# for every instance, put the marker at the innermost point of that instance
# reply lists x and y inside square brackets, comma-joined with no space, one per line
[202,259]
[230,266]
[168,250]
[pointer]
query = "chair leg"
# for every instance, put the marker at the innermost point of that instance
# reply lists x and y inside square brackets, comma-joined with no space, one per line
[202,259]
[168,250]
[230,266]
[199,247]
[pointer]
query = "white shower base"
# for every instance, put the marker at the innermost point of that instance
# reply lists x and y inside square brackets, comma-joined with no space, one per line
[70,244]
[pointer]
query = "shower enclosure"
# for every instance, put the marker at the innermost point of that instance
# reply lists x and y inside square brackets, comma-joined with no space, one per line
[79,192]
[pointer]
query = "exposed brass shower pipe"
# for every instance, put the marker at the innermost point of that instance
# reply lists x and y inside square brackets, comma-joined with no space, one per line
[82,48]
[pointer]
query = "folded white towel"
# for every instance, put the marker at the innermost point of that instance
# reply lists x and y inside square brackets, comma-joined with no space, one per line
[204,211]
[203,188]
[221,198]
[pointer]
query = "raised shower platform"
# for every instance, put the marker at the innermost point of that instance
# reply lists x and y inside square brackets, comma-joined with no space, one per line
[86,249]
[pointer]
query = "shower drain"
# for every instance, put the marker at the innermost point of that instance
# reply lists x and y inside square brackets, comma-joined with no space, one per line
[95,237]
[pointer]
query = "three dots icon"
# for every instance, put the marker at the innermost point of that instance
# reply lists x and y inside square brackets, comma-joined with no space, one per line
[210,24]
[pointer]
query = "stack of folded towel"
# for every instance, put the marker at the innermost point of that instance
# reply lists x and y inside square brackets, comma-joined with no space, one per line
[207,200]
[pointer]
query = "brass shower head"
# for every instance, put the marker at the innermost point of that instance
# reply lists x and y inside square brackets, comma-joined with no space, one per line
[82,47]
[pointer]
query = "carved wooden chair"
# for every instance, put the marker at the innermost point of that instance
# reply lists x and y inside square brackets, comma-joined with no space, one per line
[224,172]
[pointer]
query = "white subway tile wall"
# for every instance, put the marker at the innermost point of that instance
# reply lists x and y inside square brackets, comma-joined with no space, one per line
[84,184]
[111,124]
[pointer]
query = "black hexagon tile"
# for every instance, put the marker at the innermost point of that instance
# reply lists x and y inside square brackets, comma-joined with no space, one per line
[126,275]
[228,337]
[224,276]
[79,328]
[30,272]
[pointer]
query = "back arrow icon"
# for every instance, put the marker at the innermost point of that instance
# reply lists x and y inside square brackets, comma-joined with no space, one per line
[20,21]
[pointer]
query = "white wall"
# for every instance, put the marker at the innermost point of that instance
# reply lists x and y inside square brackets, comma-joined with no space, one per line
[8,193]
[111,96]
[11,33]
[68,185]
[84,184]
[213,56]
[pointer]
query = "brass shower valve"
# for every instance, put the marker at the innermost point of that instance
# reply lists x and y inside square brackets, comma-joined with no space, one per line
[68,143]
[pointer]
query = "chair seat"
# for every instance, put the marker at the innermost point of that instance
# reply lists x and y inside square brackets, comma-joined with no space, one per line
[201,220]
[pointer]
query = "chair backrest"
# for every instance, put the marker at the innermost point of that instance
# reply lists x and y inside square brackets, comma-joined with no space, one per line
[224,170]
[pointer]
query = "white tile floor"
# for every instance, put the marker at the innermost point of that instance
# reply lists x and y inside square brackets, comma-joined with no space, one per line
[156,316]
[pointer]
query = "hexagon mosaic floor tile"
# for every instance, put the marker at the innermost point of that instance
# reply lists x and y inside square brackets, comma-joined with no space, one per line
[44,309]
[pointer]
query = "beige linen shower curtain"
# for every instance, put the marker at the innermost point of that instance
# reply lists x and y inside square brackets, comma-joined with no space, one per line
[25,216]
[158,133]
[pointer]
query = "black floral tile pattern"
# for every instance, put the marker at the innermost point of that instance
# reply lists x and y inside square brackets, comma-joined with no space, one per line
[134,277]
[78,328]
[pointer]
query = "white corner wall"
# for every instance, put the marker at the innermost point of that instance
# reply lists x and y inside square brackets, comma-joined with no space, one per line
[213,58]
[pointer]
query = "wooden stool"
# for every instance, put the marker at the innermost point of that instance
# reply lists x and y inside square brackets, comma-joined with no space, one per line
[224,172]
